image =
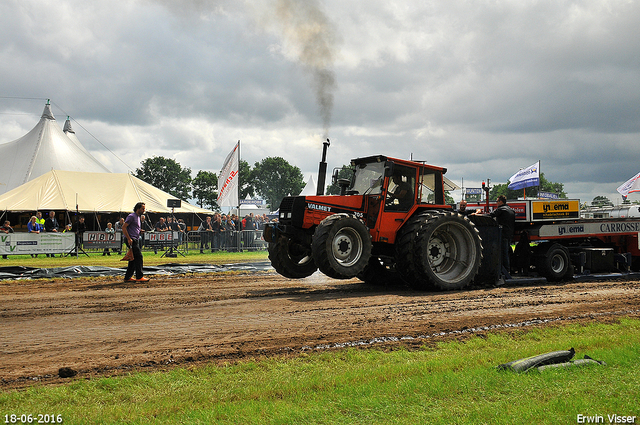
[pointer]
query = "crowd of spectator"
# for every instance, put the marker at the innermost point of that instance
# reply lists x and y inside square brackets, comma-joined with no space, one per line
[215,232]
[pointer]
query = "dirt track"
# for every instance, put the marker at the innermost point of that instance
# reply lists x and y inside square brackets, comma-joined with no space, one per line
[103,326]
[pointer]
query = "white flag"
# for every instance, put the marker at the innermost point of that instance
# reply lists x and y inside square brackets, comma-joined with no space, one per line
[630,186]
[526,177]
[228,180]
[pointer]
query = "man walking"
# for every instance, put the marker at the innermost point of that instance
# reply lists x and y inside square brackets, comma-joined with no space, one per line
[131,231]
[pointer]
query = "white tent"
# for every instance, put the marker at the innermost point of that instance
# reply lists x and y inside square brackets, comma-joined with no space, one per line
[46,147]
[310,189]
[90,192]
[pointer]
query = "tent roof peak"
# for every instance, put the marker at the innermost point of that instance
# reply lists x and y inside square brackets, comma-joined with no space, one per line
[67,126]
[47,114]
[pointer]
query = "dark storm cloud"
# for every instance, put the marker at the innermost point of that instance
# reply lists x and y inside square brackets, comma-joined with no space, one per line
[482,88]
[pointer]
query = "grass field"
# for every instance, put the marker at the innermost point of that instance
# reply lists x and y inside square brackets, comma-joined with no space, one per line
[150,259]
[448,383]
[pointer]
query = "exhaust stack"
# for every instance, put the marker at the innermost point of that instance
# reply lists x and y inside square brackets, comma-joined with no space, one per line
[322,171]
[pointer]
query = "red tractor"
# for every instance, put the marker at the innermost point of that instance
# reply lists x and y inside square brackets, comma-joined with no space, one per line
[390,220]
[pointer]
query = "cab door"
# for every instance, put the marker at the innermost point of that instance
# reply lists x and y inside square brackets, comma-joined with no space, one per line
[396,202]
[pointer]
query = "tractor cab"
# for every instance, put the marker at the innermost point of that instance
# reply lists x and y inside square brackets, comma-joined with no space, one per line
[393,189]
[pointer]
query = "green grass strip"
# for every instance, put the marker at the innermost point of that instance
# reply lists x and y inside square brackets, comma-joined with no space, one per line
[150,259]
[449,383]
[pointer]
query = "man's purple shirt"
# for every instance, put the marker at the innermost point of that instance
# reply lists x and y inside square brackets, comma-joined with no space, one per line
[133,225]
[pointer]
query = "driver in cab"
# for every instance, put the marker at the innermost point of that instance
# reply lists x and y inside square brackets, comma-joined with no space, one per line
[401,195]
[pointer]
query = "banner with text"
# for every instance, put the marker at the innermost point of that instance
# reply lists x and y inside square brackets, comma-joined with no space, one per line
[36,243]
[630,186]
[526,177]
[228,180]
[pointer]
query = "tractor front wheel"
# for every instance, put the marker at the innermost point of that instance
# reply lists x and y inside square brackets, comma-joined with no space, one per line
[341,246]
[291,259]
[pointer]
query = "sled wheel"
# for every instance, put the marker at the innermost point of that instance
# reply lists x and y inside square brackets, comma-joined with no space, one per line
[554,264]
[448,251]
[341,246]
[291,259]
[377,273]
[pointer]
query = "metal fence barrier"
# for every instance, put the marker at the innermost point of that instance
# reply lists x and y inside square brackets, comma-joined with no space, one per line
[245,240]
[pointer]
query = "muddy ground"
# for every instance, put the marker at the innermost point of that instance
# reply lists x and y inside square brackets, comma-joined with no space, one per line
[102,326]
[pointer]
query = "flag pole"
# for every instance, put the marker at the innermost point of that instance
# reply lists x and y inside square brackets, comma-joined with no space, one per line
[539,178]
[238,248]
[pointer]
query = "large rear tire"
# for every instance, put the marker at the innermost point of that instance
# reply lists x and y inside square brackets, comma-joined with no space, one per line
[341,246]
[291,259]
[405,250]
[448,251]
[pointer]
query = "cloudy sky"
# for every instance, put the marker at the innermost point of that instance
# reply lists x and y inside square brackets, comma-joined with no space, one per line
[482,87]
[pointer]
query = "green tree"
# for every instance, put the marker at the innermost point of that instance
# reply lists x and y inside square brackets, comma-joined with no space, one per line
[204,189]
[448,199]
[274,178]
[245,181]
[346,172]
[166,174]
[530,192]
[601,201]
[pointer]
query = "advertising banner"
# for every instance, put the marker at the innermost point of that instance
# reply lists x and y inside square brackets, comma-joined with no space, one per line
[160,238]
[548,195]
[590,228]
[36,243]
[554,210]
[101,240]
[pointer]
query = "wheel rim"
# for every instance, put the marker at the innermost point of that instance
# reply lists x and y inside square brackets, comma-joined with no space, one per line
[346,246]
[451,251]
[557,263]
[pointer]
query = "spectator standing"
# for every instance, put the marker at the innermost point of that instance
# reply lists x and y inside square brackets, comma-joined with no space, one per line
[6,228]
[218,228]
[39,219]
[161,226]
[110,231]
[183,229]
[131,230]
[206,230]
[144,228]
[79,228]
[34,227]
[51,225]
[118,228]
[172,223]
[248,227]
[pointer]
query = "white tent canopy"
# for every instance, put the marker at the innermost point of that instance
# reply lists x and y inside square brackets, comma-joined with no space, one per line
[91,192]
[310,189]
[46,147]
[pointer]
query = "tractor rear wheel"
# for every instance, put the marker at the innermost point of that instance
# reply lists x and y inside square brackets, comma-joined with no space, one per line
[405,250]
[341,246]
[290,258]
[448,251]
